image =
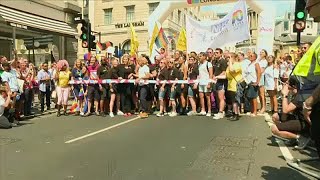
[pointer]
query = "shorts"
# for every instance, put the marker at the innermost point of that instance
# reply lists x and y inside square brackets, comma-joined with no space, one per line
[164,93]
[94,93]
[252,92]
[230,97]
[221,85]
[173,94]
[290,123]
[204,89]
[105,92]
[191,92]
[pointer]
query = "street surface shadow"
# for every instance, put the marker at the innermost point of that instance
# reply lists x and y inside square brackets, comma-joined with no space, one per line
[282,173]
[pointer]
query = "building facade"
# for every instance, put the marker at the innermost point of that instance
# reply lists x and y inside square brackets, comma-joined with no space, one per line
[40,30]
[285,38]
[113,17]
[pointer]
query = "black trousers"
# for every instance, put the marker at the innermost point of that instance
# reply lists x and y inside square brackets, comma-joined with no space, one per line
[28,94]
[126,97]
[315,127]
[46,95]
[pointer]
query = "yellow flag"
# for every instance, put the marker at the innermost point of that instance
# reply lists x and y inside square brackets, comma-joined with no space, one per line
[153,37]
[310,57]
[182,41]
[134,45]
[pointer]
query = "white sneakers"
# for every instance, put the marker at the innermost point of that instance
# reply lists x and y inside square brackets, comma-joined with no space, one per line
[173,114]
[111,114]
[120,113]
[220,115]
[191,113]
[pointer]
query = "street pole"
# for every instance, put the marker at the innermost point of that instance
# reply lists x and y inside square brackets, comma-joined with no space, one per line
[298,38]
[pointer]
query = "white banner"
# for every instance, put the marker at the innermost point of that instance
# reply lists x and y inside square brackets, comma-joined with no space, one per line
[265,38]
[232,28]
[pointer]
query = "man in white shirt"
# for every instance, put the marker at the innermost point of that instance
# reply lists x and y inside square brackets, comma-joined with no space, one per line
[205,76]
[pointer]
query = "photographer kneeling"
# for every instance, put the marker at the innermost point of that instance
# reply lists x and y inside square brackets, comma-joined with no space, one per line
[6,114]
[290,123]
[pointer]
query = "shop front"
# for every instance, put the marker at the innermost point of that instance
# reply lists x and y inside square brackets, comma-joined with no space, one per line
[36,38]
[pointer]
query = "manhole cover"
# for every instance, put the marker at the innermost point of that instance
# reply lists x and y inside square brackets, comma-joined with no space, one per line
[226,156]
[6,141]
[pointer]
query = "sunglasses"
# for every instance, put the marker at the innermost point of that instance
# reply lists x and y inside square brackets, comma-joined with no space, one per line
[161,62]
[171,62]
[304,47]
[216,52]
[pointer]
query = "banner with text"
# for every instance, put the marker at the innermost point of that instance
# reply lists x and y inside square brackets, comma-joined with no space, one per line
[232,28]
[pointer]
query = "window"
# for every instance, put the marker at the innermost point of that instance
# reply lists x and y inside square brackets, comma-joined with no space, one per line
[126,46]
[152,7]
[108,16]
[179,16]
[129,13]
[286,25]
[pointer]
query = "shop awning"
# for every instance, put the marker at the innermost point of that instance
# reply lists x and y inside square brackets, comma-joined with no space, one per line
[313,7]
[20,18]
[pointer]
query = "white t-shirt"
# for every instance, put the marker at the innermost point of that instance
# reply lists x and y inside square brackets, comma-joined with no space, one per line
[244,64]
[250,74]
[2,102]
[143,71]
[263,63]
[270,74]
[204,76]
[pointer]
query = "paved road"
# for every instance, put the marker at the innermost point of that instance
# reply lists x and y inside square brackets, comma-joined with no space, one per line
[166,148]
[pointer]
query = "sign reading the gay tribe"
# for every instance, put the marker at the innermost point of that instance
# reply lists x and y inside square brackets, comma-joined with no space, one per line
[200,1]
[230,29]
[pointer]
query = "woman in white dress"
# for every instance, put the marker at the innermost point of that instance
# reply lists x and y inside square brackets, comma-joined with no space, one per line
[271,75]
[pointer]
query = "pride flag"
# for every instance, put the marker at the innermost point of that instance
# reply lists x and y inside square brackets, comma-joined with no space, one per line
[99,47]
[161,40]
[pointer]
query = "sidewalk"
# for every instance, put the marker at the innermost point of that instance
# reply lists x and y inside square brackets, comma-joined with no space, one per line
[36,108]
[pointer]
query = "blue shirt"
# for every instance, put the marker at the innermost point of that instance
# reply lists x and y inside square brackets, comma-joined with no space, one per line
[11,79]
[44,84]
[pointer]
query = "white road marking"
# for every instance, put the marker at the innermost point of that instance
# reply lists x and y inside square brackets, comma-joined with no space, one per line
[100,131]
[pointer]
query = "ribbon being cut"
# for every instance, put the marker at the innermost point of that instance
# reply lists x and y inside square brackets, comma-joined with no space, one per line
[132,81]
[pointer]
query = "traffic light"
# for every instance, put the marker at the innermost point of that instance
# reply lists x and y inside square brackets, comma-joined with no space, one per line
[92,38]
[85,29]
[300,16]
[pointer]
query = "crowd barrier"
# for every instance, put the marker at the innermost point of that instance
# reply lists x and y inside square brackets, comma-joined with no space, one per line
[127,81]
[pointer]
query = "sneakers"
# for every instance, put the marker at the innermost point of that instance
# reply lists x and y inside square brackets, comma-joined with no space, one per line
[120,113]
[82,114]
[111,114]
[143,115]
[173,114]
[202,113]
[191,113]
[208,114]
[302,142]
[220,115]
[160,114]
[235,117]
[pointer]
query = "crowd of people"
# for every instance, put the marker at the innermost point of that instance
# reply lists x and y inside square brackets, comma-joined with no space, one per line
[220,84]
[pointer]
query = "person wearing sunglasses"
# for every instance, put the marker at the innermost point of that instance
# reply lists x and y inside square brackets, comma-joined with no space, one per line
[193,73]
[220,68]
[173,74]
[164,88]
[305,47]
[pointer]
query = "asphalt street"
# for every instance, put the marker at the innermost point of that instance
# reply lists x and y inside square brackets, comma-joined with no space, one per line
[101,148]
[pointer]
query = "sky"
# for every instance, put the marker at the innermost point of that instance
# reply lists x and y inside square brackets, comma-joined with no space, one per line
[281,6]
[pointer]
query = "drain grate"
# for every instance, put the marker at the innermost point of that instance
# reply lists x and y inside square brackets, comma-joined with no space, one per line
[6,141]
[226,156]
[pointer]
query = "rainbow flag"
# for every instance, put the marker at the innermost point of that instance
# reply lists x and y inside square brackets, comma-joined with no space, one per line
[161,40]
[193,1]
[99,47]
[74,106]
